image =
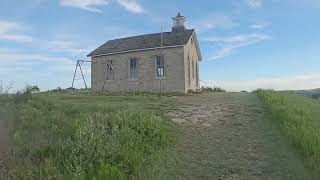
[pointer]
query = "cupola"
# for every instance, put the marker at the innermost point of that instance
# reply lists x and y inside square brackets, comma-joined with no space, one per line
[179,23]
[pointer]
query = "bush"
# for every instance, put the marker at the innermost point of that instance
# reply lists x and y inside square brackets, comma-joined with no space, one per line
[23,96]
[210,89]
[299,118]
[61,140]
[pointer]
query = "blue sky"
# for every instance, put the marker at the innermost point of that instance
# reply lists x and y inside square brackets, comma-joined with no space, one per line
[246,44]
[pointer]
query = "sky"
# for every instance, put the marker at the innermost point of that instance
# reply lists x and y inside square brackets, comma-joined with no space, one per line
[245,44]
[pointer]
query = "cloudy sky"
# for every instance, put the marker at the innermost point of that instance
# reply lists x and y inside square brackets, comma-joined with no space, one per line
[246,44]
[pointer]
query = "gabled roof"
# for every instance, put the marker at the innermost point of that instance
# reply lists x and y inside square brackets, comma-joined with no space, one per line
[149,41]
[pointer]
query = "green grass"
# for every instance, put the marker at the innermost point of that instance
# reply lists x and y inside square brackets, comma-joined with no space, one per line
[299,117]
[63,136]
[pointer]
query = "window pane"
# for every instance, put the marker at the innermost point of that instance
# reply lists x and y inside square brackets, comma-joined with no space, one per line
[133,63]
[160,61]
[133,69]
[160,72]
[193,70]
[160,67]
[189,71]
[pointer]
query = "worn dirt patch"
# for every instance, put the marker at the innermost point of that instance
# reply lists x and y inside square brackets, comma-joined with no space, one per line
[230,136]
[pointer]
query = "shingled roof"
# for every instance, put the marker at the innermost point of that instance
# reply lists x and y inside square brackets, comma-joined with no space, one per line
[173,38]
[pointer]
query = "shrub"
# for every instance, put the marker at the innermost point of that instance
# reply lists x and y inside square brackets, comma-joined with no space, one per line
[23,96]
[210,89]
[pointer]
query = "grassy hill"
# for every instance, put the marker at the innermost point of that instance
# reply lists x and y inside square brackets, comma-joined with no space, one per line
[62,135]
[313,93]
[74,136]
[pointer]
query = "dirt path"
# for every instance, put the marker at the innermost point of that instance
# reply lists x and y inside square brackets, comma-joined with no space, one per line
[230,136]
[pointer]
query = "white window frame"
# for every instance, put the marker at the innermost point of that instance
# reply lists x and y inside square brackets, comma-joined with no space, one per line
[160,66]
[130,78]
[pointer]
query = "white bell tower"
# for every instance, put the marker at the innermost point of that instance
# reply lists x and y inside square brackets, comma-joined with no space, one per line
[179,23]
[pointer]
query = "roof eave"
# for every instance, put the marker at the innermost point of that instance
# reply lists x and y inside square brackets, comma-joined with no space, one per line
[135,50]
[197,46]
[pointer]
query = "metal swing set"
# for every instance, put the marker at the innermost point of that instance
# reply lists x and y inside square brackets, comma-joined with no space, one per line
[109,74]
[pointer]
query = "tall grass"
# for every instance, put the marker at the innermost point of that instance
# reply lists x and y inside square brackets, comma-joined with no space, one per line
[59,139]
[299,118]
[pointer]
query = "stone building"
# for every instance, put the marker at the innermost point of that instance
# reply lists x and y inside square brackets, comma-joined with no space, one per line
[166,62]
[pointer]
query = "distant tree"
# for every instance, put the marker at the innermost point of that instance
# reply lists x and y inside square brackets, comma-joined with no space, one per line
[34,89]
[218,89]
[71,88]
[315,96]
[210,89]
[58,89]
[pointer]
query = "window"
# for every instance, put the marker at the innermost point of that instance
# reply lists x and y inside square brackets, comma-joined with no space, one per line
[160,67]
[109,71]
[189,72]
[133,72]
[108,65]
[175,23]
[197,74]
[178,22]
[193,69]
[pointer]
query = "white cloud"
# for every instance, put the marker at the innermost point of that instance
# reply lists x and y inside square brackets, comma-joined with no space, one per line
[229,44]
[254,3]
[12,31]
[66,46]
[295,82]
[89,5]
[131,5]
[259,25]
[46,71]
[213,22]
[15,58]
[239,40]
[92,5]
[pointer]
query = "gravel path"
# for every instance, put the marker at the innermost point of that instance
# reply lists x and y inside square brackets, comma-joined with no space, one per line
[230,136]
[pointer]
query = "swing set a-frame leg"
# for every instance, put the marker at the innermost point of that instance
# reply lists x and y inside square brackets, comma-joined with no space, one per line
[84,80]
[74,75]
[82,75]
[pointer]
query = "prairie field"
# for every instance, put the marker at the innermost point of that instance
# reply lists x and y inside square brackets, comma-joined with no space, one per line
[216,135]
